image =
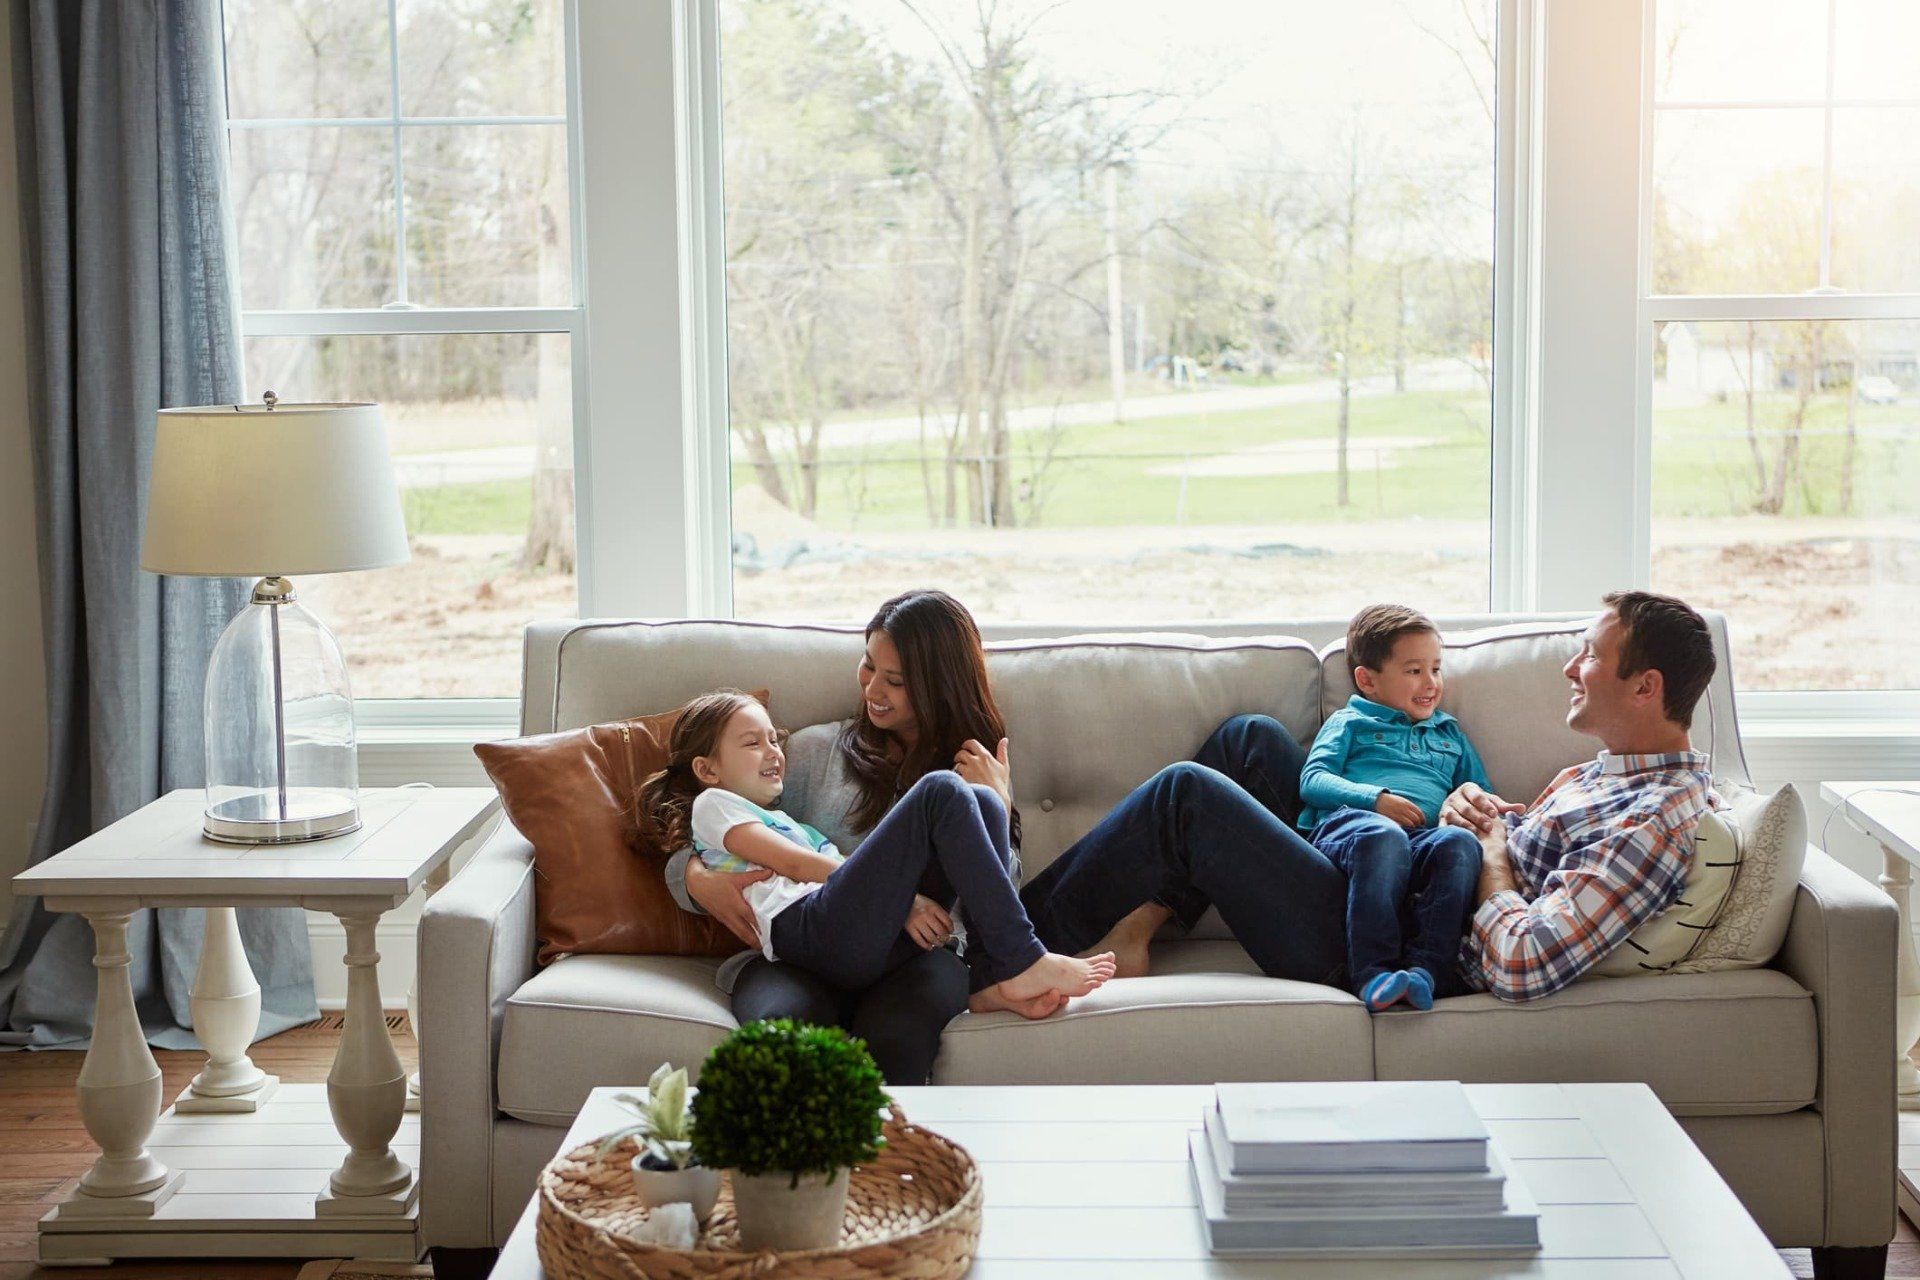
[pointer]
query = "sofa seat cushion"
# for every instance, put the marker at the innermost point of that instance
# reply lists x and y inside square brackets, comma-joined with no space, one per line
[1206,1014]
[586,1021]
[1741,1043]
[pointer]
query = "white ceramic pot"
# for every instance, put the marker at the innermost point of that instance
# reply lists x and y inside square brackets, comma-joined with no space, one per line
[775,1214]
[693,1186]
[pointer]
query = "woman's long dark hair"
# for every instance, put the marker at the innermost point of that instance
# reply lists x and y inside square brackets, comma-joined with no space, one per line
[946,673]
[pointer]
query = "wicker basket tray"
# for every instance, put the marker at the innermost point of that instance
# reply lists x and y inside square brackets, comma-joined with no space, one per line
[913,1214]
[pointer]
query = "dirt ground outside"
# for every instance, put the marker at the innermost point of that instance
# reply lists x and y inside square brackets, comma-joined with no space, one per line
[1813,603]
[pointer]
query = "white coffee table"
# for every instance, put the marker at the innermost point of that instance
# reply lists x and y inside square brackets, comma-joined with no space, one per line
[241,1165]
[1091,1183]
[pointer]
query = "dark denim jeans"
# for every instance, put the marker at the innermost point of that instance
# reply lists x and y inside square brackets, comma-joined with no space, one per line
[900,1016]
[850,929]
[1217,830]
[1409,894]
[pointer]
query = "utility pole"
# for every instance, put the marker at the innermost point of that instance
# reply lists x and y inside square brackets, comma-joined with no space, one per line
[1116,339]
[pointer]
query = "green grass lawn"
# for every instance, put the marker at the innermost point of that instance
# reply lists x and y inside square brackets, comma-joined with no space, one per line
[1099,476]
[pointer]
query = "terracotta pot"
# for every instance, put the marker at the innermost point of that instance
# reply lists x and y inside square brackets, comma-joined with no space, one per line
[775,1214]
[693,1186]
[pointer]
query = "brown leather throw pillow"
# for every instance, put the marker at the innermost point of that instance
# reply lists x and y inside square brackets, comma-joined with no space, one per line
[599,886]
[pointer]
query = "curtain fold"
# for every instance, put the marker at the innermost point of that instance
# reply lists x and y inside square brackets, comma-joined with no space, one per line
[132,306]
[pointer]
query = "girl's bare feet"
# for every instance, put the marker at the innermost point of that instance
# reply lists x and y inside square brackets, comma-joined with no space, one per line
[992,1000]
[1068,975]
[1130,940]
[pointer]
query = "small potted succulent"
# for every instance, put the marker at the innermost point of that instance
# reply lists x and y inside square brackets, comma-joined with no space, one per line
[665,1171]
[790,1109]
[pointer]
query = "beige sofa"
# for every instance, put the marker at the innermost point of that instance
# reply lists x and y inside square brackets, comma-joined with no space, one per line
[1782,1075]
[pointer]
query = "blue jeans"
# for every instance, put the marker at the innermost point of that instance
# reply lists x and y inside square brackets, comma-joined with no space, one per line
[849,931]
[1216,830]
[1409,894]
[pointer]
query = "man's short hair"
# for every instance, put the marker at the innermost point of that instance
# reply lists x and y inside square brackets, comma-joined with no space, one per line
[1665,635]
[1377,628]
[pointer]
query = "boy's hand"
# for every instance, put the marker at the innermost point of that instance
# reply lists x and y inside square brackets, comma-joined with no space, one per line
[928,924]
[1401,810]
[1475,808]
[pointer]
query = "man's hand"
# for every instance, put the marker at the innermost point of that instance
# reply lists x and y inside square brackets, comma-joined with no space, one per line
[1496,867]
[1475,808]
[1401,810]
[928,924]
[986,769]
[723,895]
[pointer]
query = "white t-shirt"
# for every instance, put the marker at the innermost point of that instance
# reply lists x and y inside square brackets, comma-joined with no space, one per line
[717,811]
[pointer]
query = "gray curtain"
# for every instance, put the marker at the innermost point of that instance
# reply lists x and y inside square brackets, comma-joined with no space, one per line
[132,305]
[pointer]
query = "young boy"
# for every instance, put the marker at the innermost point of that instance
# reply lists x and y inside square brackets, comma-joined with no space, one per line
[1371,792]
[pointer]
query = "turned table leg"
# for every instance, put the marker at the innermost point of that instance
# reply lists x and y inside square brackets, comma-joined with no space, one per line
[436,881]
[226,1014]
[1897,880]
[367,1087]
[119,1083]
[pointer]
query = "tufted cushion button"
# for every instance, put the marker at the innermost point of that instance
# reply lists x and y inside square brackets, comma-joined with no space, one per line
[1046,806]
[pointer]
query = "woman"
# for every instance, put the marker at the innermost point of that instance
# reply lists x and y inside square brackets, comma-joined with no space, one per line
[925,706]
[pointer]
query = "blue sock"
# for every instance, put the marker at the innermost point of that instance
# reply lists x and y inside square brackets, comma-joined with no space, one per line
[1419,988]
[1384,989]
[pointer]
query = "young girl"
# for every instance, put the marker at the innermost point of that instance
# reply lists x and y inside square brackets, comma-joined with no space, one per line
[852,919]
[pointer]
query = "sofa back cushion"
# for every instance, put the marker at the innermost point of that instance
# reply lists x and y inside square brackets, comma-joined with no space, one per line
[1089,717]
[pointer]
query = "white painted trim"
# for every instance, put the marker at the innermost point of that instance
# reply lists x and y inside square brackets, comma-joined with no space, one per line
[1785,306]
[636,549]
[1513,573]
[385,320]
[1584,535]
[394,939]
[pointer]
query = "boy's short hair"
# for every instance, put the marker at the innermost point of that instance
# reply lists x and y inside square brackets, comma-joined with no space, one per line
[1377,628]
[1665,634]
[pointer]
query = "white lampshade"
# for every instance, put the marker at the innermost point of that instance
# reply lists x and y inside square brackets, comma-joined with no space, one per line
[246,490]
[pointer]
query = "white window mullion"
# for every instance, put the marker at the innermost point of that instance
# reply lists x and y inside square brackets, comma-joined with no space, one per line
[1515,312]
[635,513]
[401,296]
[1589,535]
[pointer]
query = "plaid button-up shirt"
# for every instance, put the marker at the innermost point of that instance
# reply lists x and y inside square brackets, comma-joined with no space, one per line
[1605,849]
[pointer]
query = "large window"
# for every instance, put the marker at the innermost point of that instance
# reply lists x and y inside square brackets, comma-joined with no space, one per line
[403,196]
[1784,266]
[1109,310]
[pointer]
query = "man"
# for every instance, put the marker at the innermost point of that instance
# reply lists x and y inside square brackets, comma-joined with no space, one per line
[1608,844]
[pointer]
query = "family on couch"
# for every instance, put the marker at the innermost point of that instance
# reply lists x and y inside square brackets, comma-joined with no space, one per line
[1380,860]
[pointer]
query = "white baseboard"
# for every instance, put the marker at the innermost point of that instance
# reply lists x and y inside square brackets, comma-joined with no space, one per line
[394,938]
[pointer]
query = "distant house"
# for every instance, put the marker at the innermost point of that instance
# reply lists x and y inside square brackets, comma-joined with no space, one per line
[1719,365]
[1713,369]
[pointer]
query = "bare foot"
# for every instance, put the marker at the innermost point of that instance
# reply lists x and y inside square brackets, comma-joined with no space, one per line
[1068,975]
[992,1000]
[1131,940]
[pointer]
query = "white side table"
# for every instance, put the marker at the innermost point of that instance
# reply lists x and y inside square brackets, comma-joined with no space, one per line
[1892,817]
[246,1168]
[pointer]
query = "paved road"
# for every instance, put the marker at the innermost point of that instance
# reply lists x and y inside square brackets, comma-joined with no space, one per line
[510,462]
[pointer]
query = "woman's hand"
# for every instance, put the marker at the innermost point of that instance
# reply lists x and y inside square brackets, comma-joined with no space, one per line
[928,924]
[723,895]
[985,769]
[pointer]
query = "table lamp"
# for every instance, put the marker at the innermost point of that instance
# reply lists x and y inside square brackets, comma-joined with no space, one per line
[267,491]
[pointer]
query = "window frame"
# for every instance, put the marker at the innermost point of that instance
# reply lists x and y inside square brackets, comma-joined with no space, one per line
[1802,710]
[392,718]
[1571,333]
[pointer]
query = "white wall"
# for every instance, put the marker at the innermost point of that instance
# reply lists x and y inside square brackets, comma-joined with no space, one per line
[23,744]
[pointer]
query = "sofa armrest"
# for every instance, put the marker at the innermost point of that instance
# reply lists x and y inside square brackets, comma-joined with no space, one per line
[476,947]
[1840,946]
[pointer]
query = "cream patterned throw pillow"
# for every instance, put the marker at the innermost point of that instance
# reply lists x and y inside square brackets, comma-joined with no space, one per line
[1733,912]
[1772,830]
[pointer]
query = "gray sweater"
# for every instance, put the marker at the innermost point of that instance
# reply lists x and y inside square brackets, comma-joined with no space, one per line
[819,792]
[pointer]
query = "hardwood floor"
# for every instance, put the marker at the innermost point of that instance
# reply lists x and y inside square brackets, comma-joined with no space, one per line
[43,1148]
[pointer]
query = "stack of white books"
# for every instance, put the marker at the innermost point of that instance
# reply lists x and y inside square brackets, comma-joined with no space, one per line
[1362,1168]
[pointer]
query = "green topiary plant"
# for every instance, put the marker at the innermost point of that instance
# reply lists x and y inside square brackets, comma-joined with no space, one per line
[788,1097]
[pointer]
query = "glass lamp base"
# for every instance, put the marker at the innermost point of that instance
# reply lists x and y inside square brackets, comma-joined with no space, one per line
[257,817]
